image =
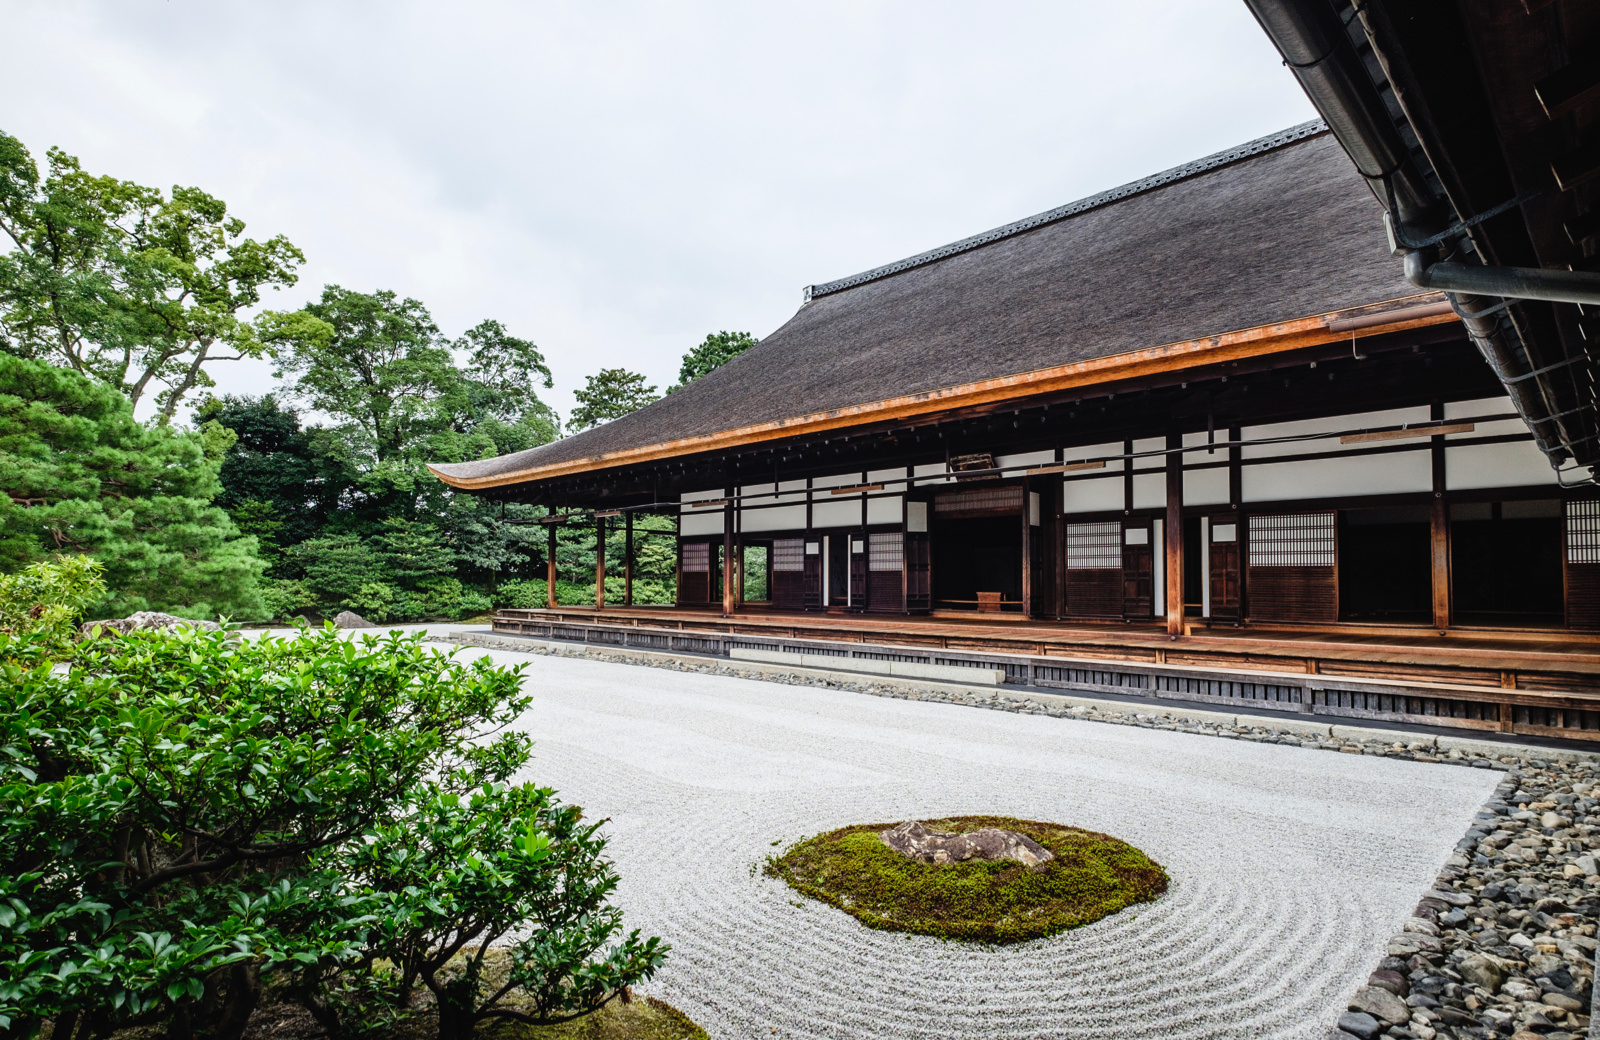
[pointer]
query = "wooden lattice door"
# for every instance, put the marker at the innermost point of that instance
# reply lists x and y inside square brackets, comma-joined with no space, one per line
[1138,570]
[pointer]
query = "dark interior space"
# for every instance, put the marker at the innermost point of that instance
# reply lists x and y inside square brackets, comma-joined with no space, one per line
[1385,573]
[1505,563]
[839,568]
[1193,579]
[982,554]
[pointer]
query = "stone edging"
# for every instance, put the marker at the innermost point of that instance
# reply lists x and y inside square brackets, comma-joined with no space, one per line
[1502,946]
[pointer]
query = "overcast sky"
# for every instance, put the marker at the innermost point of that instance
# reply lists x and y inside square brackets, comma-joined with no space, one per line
[614,181]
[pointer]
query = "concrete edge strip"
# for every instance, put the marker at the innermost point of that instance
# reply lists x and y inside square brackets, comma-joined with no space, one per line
[1003,695]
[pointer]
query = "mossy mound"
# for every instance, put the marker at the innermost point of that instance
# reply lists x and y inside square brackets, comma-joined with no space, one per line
[1092,876]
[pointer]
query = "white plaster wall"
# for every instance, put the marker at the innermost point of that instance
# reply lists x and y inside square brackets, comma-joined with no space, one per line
[1514,464]
[885,510]
[1205,487]
[1332,425]
[1149,490]
[1094,496]
[773,518]
[1329,478]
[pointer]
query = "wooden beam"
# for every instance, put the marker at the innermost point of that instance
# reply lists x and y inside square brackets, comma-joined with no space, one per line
[600,562]
[550,569]
[1174,540]
[1277,338]
[728,563]
[1027,555]
[1439,526]
[627,561]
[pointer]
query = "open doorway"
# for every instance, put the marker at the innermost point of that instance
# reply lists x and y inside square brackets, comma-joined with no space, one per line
[977,563]
[755,575]
[1505,563]
[1386,565]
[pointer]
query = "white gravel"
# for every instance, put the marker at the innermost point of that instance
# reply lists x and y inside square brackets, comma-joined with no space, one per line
[1290,867]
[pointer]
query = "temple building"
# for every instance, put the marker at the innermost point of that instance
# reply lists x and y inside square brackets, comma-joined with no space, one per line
[1311,422]
[1208,397]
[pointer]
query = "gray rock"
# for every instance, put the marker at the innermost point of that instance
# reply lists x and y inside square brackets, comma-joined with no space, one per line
[1380,1003]
[915,841]
[1392,981]
[1358,1023]
[146,620]
[350,619]
[1453,898]
[1562,1001]
[1483,969]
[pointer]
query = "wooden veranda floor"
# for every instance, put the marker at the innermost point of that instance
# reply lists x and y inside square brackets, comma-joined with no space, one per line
[1502,658]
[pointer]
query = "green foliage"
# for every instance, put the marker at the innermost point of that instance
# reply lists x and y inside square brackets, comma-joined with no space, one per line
[610,394]
[275,482]
[1092,876]
[457,875]
[183,813]
[138,289]
[78,474]
[716,350]
[46,600]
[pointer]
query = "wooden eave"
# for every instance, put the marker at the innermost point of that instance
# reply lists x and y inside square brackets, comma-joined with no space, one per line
[1397,315]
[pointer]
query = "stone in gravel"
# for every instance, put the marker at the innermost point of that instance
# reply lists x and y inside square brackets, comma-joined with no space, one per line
[1562,1001]
[1587,865]
[915,841]
[350,619]
[1482,969]
[1392,981]
[1380,1003]
[146,619]
[1408,944]
[1421,926]
[1520,989]
[1453,898]
[1358,1023]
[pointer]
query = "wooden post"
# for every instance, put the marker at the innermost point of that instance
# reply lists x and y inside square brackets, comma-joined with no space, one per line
[599,562]
[1439,522]
[627,562]
[550,569]
[1027,555]
[727,560]
[1174,539]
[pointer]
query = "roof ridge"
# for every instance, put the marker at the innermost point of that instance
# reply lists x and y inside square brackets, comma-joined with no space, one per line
[1072,209]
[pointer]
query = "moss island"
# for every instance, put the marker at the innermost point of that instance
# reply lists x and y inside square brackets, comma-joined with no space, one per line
[1092,875]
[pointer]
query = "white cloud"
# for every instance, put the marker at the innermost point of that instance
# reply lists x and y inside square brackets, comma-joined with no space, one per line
[615,181]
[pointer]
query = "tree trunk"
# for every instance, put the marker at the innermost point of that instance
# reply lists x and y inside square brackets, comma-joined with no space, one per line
[244,993]
[456,1012]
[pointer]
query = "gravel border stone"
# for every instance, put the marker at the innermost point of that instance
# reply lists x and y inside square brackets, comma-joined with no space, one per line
[1502,946]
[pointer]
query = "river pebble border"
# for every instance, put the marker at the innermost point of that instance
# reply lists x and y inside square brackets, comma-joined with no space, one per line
[1502,946]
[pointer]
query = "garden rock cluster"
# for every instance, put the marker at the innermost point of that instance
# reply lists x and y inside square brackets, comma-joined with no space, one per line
[146,619]
[915,841]
[1501,948]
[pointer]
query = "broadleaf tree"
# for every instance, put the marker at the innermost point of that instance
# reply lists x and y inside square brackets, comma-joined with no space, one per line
[610,394]
[716,350]
[138,288]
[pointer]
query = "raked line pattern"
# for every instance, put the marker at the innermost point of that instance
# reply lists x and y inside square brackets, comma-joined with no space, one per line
[1290,867]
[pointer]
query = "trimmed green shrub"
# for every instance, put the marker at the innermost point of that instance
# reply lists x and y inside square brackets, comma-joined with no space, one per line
[183,813]
[47,599]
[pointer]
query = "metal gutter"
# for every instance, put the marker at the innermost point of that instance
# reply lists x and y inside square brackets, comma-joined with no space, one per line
[1318,46]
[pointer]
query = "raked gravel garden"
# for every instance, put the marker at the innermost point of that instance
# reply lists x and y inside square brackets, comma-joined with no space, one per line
[1295,873]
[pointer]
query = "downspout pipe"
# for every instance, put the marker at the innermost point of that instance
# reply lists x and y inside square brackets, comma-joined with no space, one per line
[1520,283]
